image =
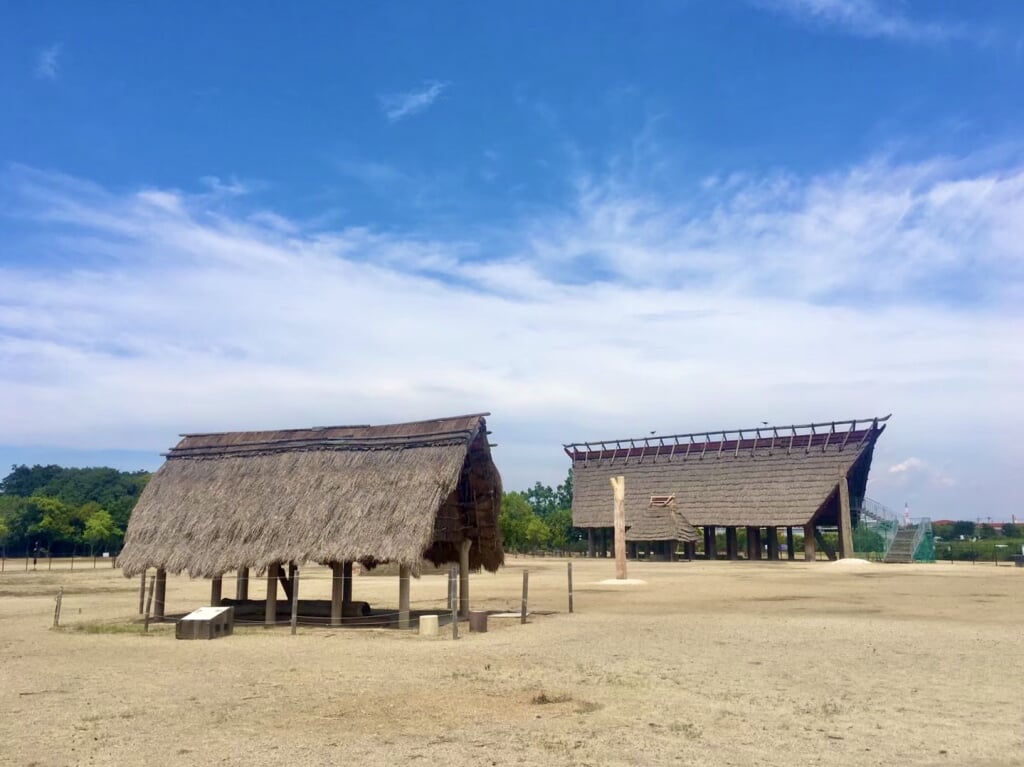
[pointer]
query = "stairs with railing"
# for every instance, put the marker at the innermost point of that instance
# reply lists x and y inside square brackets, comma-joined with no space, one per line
[902,547]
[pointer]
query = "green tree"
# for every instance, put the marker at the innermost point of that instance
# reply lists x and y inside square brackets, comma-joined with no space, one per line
[514,520]
[1011,530]
[560,527]
[537,533]
[56,521]
[99,529]
[963,527]
[986,532]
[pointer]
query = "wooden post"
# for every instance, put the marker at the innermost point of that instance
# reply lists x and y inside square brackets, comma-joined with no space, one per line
[526,592]
[845,523]
[270,614]
[56,608]
[160,608]
[346,592]
[790,553]
[142,592]
[570,586]
[464,578]
[215,591]
[810,553]
[731,543]
[773,544]
[619,509]
[295,600]
[757,542]
[149,604]
[242,584]
[591,548]
[712,543]
[404,576]
[750,543]
[337,592]
[453,601]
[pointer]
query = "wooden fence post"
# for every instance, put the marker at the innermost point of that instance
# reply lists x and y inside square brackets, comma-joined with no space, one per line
[453,601]
[526,591]
[149,604]
[570,586]
[56,609]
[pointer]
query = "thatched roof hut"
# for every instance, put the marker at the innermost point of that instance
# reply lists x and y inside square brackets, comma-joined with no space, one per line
[766,476]
[399,493]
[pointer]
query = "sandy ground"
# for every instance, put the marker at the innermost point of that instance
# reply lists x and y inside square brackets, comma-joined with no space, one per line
[705,663]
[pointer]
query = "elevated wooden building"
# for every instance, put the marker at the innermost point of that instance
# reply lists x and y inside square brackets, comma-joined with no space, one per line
[764,480]
[268,501]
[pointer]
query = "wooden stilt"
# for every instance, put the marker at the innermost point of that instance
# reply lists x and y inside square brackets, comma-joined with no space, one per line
[295,599]
[845,523]
[337,592]
[824,545]
[142,593]
[751,536]
[731,547]
[773,544]
[758,543]
[591,547]
[464,578]
[790,551]
[215,591]
[270,615]
[160,602]
[810,548]
[712,542]
[242,584]
[404,577]
[346,573]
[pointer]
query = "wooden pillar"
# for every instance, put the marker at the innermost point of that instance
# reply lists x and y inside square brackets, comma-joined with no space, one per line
[337,592]
[672,548]
[691,550]
[712,541]
[845,523]
[270,615]
[215,591]
[404,576]
[790,552]
[242,584]
[731,547]
[464,578]
[160,602]
[346,574]
[591,547]
[773,544]
[750,542]
[758,543]
[810,552]
[619,509]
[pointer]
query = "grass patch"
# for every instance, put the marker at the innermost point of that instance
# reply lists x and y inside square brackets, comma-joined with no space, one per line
[543,699]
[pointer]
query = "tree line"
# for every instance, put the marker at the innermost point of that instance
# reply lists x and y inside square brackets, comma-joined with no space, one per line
[60,511]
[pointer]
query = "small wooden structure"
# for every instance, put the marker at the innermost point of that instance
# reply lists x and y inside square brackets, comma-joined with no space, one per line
[270,501]
[762,480]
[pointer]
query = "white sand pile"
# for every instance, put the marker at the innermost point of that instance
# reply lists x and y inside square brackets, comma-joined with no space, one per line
[622,582]
[851,562]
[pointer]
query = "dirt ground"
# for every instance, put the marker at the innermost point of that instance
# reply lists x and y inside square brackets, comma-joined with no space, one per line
[720,663]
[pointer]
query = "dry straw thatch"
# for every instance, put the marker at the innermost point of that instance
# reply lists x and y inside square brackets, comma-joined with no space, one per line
[398,493]
[764,476]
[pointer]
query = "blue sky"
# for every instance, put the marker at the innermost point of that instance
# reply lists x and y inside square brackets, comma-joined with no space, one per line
[592,219]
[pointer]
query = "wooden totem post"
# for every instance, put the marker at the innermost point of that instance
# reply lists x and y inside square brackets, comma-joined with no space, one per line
[845,523]
[619,496]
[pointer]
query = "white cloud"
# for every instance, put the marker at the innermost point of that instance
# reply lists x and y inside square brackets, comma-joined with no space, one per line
[780,299]
[865,18]
[48,62]
[398,106]
[908,465]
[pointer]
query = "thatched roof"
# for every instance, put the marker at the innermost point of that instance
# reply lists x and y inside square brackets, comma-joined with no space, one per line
[398,493]
[767,476]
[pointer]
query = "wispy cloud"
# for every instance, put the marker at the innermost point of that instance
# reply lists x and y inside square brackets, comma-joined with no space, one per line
[865,18]
[621,309]
[48,62]
[398,106]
